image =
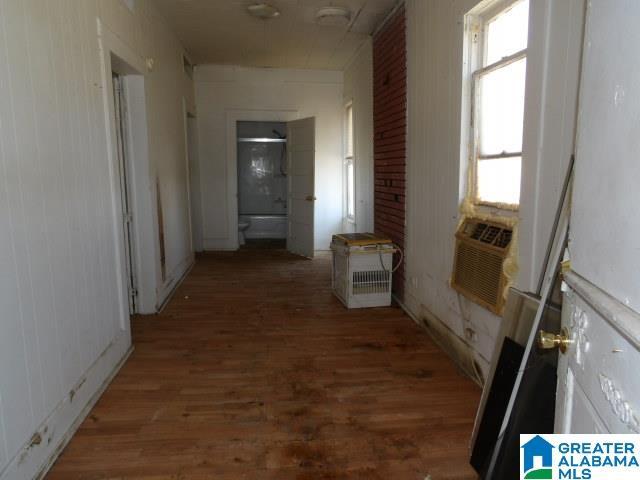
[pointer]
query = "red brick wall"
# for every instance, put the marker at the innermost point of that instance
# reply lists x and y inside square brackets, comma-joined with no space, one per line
[390,133]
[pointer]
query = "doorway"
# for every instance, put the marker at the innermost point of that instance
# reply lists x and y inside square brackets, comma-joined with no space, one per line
[262,184]
[276,175]
[125,176]
[300,175]
[193,167]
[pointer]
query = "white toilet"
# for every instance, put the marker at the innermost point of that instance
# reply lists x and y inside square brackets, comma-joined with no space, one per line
[242,227]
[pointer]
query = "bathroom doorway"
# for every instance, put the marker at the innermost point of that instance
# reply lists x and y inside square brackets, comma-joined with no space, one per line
[262,184]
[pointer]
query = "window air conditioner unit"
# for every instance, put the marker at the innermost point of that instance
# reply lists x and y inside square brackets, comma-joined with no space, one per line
[481,248]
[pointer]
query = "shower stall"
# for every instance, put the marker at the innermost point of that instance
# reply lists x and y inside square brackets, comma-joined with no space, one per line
[262,180]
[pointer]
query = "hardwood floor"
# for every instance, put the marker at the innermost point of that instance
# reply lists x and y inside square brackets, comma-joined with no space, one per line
[255,371]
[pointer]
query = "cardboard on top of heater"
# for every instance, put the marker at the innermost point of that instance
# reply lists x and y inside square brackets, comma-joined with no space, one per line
[360,239]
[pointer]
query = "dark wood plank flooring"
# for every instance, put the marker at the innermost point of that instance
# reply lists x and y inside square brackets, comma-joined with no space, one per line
[255,371]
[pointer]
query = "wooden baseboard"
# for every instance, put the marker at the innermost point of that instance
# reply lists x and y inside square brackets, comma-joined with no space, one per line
[42,449]
[455,348]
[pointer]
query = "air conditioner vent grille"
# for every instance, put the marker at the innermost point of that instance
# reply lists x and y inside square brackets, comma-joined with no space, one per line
[481,248]
[504,238]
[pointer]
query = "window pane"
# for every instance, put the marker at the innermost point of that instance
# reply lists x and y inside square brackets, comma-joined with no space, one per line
[507,33]
[501,108]
[351,200]
[499,180]
[349,132]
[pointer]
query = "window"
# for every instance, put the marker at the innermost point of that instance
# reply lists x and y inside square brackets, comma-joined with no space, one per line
[499,60]
[349,174]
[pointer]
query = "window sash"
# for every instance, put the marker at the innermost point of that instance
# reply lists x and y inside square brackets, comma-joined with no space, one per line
[475,127]
[497,156]
[475,80]
[487,17]
[349,165]
[500,203]
[500,63]
[350,188]
[349,130]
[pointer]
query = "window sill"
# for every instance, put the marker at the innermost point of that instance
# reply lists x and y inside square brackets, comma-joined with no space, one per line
[497,210]
[504,207]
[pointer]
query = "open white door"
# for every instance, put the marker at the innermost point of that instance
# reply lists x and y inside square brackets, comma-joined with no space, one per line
[301,144]
[120,110]
[598,383]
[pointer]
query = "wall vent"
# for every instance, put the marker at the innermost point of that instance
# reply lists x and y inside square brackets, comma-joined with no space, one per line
[481,248]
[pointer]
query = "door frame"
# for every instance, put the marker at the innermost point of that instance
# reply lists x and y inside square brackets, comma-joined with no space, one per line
[125,170]
[233,117]
[193,175]
[117,57]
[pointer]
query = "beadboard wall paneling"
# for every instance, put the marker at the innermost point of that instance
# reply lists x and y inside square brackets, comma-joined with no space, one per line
[61,328]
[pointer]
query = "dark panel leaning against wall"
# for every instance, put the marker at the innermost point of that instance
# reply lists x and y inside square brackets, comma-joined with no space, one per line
[390,133]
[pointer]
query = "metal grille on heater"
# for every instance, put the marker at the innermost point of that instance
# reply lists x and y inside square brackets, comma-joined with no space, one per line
[481,248]
[371,281]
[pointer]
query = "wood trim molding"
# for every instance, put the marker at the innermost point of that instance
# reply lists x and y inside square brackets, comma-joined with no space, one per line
[622,318]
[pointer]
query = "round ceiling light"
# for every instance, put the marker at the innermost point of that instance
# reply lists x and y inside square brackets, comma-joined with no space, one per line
[263,10]
[333,16]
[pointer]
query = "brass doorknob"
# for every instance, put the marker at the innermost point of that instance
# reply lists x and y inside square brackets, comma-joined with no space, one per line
[310,198]
[548,341]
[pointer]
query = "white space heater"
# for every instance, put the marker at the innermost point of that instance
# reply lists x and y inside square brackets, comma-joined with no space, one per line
[362,269]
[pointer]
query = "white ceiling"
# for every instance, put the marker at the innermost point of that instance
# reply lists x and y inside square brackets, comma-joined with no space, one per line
[222,32]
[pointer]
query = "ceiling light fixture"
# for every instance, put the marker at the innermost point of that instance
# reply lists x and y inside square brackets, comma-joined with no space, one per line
[333,16]
[263,11]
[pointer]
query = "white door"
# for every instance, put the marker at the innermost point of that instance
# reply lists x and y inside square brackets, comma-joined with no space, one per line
[125,187]
[301,144]
[598,383]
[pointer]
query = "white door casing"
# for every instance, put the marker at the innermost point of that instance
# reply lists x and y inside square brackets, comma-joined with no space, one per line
[301,146]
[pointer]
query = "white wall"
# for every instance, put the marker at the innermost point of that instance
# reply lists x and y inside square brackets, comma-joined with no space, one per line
[435,178]
[358,89]
[64,324]
[224,92]
[550,123]
[605,226]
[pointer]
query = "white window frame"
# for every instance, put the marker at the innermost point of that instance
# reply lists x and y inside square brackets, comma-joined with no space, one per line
[349,160]
[476,22]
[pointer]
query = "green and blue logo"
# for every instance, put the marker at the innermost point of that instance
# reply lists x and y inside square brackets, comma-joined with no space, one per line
[580,457]
[537,459]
